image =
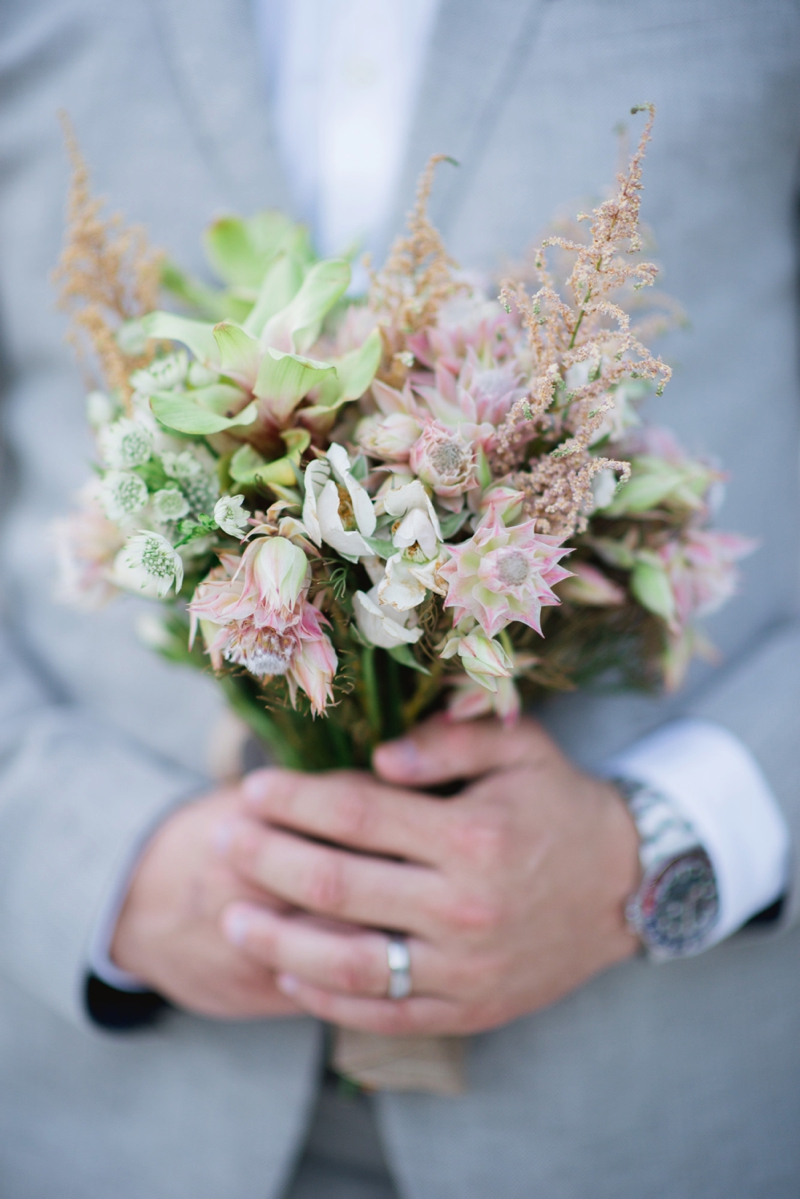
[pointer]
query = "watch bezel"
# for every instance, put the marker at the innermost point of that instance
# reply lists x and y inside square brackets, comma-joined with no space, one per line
[646,914]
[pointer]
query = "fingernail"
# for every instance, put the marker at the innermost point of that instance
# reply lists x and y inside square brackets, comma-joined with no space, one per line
[256,786]
[399,756]
[236,925]
[287,983]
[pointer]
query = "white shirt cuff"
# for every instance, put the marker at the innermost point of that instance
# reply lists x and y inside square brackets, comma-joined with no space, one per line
[717,785]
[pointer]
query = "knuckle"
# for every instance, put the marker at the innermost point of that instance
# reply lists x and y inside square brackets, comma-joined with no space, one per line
[483,837]
[326,888]
[474,912]
[355,972]
[352,810]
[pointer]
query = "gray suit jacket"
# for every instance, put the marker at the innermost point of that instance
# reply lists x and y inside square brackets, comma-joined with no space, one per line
[667,1081]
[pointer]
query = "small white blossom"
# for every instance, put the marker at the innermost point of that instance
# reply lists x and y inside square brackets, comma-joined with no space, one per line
[170,504]
[337,510]
[230,516]
[198,479]
[149,564]
[122,494]
[417,523]
[180,466]
[162,374]
[199,375]
[100,409]
[380,624]
[125,444]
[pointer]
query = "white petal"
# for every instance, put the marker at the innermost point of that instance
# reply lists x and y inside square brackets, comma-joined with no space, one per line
[339,460]
[363,509]
[400,588]
[380,625]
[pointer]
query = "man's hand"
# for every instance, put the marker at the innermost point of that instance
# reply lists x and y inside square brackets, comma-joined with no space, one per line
[169,933]
[511,893]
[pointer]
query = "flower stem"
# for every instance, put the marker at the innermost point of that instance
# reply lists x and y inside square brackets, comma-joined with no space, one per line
[371,696]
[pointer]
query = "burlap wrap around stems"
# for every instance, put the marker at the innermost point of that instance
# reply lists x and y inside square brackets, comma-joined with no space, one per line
[379,1063]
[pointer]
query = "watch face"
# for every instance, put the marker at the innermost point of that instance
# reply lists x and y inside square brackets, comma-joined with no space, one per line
[678,907]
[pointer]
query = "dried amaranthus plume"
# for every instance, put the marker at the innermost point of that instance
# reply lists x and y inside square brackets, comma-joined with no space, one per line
[106,275]
[414,282]
[588,328]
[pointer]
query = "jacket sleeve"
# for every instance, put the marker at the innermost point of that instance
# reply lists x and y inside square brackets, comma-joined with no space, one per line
[74,797]
[758,700]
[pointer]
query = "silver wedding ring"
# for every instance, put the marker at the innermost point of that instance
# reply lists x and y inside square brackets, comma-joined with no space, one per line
[399,960]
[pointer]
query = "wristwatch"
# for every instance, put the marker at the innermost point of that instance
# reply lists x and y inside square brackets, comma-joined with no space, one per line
[676,907]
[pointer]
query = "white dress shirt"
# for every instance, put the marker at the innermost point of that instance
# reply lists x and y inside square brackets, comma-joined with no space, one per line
[343,77]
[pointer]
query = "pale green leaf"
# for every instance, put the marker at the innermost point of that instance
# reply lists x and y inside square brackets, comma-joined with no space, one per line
[182,411]
[650,585]
[281,283]
[297,326]
[284,379]
[249,467]
[384,549]
[452,523]
[197,336]
[403,655]
[239,354]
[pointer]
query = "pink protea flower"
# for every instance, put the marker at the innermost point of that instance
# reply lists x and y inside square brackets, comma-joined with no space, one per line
[302,653]
[504,574]
[590,586]
[469,700]
[313,666]
[388,438]
[244,623]
[466,322]
[277,573]
[85,544]
[444,460]
[493,390]
[701,570]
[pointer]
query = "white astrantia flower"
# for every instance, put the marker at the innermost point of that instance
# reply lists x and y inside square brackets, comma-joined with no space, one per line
[416,521]
[180,466]
[100,409]
[231,516]
[149,564]
[122,494]
[197,478]
[170,504]
[380,624]
[337,509]
[162,374]
[126,443]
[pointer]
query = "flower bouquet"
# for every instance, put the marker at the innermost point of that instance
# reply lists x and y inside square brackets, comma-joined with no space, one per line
[356,511]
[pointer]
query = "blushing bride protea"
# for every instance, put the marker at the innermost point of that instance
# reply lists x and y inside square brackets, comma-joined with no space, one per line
[504,574]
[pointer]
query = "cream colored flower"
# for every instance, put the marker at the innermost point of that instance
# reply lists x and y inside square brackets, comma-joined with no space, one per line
[380,624]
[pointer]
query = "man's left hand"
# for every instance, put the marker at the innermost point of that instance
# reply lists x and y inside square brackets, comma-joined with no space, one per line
[510,893]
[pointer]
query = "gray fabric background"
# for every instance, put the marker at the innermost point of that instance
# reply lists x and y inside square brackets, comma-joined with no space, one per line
[666,1082]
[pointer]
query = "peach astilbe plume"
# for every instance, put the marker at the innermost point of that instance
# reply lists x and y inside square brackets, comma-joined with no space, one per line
[415,281]
[581,349]
[106,275]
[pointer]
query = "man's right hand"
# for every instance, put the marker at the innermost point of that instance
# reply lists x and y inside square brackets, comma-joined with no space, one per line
[169,930]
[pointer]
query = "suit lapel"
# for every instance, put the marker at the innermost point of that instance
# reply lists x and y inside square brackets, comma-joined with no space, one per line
[477,49]
[214,52]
